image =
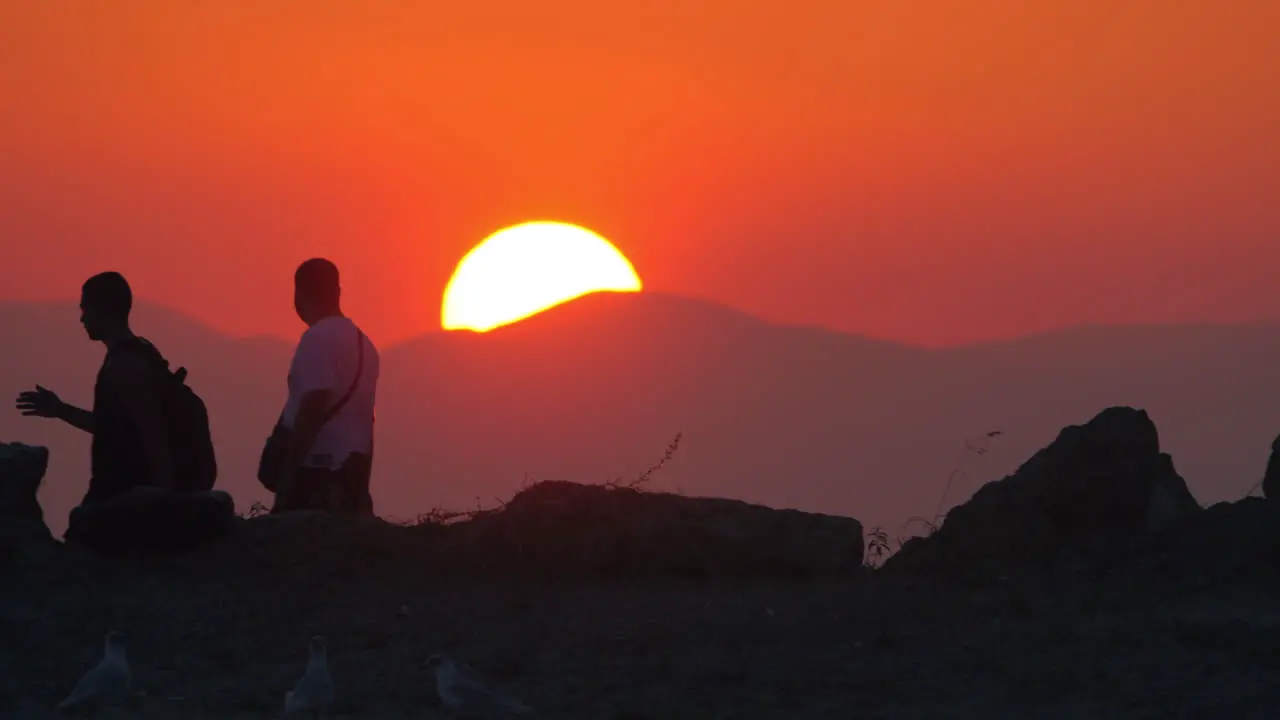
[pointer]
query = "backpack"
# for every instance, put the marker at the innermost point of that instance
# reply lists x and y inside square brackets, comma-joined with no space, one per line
[1271,480]
[195,467]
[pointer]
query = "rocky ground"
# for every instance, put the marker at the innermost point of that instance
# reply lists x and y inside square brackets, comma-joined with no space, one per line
[1177,614]
[205,646]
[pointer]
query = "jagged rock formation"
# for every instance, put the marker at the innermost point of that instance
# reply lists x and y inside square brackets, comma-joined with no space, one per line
[1229,543]
[23,534]
[1094,491]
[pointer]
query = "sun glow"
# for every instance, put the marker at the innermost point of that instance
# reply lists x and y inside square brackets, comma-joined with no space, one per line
[525,269]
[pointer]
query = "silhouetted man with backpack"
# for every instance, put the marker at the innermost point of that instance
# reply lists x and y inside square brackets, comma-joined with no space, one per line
[151,449]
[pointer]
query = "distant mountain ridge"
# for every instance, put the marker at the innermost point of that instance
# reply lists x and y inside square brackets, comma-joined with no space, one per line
[782,415]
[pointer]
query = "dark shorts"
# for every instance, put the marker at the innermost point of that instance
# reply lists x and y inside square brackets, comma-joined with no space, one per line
[343,490]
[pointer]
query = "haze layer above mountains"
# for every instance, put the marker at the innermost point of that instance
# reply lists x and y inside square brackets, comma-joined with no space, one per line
[782,415]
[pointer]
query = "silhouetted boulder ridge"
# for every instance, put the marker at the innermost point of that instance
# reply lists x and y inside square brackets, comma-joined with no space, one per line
[1179,625]
[551,529]
[564,529]
[1094,492]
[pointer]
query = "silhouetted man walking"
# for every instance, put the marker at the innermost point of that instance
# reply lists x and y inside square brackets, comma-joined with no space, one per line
[320,454]
[149,429]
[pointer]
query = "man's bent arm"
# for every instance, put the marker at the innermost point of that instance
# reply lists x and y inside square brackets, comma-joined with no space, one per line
[132,379]
[306,426]
[78,418]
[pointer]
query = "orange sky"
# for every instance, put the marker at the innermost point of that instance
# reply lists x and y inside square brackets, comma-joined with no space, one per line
[936,171]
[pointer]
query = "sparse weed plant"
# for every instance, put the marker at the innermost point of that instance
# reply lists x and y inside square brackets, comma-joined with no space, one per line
[439,516]
[643,478]
[878,548]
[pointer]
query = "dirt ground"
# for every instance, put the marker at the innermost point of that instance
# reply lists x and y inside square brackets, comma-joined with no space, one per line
[223,634]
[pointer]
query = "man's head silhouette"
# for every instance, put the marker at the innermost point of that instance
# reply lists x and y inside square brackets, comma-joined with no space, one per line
[105,303]
[316,290]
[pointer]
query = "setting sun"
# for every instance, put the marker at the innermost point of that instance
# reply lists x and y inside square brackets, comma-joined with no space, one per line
[524,269]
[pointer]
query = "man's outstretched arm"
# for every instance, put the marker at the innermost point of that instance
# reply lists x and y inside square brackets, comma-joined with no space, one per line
[43,402]
[78,418]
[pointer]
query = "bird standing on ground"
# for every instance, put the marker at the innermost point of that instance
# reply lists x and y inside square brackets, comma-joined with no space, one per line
[105,683]
[466,696]
[314,692]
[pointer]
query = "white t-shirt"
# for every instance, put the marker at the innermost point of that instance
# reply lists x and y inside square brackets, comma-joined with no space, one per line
[326,358]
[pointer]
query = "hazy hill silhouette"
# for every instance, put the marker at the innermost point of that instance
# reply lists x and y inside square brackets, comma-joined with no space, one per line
[782,415]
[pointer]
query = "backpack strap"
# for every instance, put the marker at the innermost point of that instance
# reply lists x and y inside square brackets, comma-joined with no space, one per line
[158,359]
[354,383]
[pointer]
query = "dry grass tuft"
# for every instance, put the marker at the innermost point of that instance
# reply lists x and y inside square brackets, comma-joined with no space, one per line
[879,549]
[439,516]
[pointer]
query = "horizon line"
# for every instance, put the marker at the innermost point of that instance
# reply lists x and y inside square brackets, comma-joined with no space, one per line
[941,347]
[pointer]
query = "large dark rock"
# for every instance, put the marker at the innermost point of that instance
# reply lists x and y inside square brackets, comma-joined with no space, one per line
[148,518]
[23,533]
[563,529]
[1093,492]
[1230,543]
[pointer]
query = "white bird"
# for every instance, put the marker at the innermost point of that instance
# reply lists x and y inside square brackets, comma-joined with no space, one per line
[314,692]
[107,682]
[466,696]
